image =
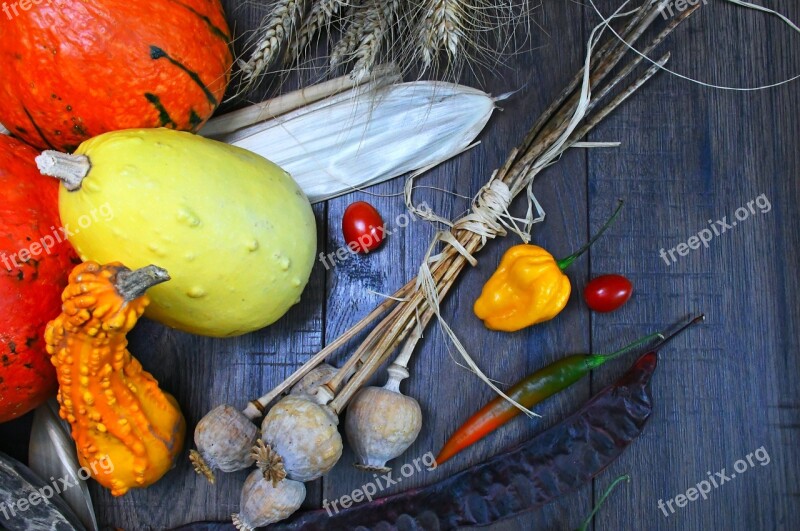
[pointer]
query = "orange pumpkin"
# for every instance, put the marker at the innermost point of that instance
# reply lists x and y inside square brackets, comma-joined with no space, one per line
[35,260]
[73,69]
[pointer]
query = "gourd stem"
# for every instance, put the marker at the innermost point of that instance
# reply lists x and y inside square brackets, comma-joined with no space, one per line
[565,262]
[132,284]
[69,169]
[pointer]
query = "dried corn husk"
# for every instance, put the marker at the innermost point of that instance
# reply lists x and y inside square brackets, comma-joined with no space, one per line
[51,454]
[365,136]
[219,126]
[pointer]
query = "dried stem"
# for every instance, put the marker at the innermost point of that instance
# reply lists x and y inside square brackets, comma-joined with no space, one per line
[133,284]
[71,170]
[256,407]
[235,120]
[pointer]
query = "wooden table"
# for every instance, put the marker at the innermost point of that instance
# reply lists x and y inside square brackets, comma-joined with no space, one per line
[689,154]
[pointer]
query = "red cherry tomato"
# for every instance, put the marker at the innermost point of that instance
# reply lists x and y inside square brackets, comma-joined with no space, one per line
[362,227]
[607,293]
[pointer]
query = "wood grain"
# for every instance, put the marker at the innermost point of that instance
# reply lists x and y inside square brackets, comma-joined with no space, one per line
[688,154]
[692,154]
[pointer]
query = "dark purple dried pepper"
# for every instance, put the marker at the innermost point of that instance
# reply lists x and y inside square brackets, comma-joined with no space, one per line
[555,462]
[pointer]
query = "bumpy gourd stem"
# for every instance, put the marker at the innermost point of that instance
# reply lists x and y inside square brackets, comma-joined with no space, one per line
[133,284]
[69,169]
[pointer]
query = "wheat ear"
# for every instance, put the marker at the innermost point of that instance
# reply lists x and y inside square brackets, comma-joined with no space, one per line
[376,30]
[319,16]
[440,28]
[355,21]
[275,29]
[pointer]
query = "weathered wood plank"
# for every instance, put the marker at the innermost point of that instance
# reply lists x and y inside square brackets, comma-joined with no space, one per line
[689,155]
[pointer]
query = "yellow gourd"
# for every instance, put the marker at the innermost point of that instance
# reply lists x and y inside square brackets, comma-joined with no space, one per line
[118,415]
[236,233]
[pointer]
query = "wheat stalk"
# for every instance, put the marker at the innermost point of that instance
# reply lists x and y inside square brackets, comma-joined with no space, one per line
[276,28]
[440,29]
[349,40]
[376,30]
[320,16]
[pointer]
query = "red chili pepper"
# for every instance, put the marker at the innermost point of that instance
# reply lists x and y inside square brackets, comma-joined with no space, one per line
[532,390]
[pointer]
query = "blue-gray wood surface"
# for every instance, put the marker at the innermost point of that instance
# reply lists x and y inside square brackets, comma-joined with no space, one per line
[689,154]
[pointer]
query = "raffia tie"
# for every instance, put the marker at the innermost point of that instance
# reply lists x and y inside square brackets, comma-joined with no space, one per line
[488,219]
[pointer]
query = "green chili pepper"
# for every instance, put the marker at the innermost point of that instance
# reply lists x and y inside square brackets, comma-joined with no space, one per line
[540,385]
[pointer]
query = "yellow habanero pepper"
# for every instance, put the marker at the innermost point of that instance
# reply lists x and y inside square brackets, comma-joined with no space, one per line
[528,287]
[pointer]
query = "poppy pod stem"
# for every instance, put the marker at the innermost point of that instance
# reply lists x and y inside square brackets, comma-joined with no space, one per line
[566,262]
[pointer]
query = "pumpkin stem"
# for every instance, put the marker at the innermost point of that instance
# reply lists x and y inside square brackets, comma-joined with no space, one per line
[132,284]
[69,169]
[269,462]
